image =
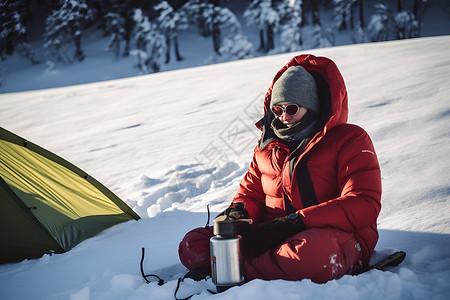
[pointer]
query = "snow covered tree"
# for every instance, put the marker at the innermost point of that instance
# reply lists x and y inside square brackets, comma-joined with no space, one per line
[291,22]
[419,9]
[171,21]
[385,24]
[344,11]
[114,24]
[232,48]
[253,16]
[118,23]
[379,23]
[361,13]
[358,35]
[64,27]
[322,38]
[150,44]
[222,19]
[264,15]
[12,28]
[194,11]
[25,50]
[406,26]
[315,11]
[215,18]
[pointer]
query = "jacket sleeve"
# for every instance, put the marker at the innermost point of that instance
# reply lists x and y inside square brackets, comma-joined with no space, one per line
[359,185]
[251,193]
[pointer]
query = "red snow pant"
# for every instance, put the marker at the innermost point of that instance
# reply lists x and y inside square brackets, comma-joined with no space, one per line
[319,254]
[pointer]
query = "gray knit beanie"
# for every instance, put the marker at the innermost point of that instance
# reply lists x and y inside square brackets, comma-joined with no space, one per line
[297,86]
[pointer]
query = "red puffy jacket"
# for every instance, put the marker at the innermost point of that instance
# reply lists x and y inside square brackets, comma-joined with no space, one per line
[344,174]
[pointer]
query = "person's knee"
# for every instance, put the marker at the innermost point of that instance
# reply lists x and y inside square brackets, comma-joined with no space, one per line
[316,254]
[194,249]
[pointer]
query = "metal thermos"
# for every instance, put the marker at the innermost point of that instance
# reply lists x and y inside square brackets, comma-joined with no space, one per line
[227,259]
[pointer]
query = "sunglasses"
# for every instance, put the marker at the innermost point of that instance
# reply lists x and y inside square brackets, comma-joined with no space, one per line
[290,109]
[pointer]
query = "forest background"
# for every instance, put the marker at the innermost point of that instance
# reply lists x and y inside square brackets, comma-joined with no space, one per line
[139,37]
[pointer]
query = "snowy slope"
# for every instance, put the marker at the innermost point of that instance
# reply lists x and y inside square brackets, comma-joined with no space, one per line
[171,143]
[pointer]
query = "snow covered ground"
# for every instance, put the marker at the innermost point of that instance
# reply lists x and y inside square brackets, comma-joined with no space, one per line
[170,143]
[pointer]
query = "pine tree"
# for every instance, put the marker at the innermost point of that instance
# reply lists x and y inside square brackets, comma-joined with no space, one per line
[118,23]
[64,27]
[360,4]
[222,20]
[264,15]
[322,38]
[419,9]
[12,28]
[291,22]
[386,24]
[114,24]
[379,23]
[150,44]
[406,25]
[26,51]
[195,12]
[215,18]
[358,35]
[344,11]
[315,11]
[170,22]
[234,47]
[253,16]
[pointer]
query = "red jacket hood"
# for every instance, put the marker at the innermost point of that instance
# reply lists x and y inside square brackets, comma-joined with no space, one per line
[328,70]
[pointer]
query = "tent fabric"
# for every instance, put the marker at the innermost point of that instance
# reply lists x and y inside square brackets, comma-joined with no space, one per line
[48,204]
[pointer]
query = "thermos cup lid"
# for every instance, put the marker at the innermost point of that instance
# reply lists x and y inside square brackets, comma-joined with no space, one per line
[225,226]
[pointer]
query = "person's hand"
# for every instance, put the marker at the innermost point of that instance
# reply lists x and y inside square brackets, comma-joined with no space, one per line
[237,218]
[236,212]
[272,233]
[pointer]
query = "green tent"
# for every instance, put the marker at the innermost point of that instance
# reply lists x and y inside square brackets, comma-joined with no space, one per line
[47,204]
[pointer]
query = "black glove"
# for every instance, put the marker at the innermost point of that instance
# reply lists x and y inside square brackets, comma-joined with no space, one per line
[236,212]
[272,233]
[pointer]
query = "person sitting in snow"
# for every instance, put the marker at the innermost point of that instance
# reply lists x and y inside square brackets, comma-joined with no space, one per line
[312,189]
